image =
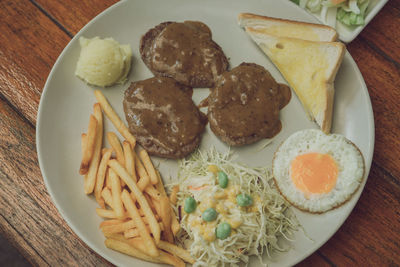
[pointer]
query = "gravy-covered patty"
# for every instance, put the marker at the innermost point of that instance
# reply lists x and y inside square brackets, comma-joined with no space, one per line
[244,105]
[161,114]
[185,52]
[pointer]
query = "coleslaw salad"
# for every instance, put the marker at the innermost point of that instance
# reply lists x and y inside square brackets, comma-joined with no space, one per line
[256,229]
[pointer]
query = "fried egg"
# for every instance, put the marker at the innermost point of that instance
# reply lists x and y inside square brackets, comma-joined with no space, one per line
[316,172]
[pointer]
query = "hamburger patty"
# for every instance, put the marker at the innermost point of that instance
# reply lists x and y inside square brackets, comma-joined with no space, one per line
[244,105]
[162,116]
[185,52]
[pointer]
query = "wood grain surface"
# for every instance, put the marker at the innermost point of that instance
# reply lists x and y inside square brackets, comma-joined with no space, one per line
[28,218]
[33,34]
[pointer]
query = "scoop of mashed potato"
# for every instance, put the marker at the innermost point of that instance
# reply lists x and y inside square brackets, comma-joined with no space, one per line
[103,62]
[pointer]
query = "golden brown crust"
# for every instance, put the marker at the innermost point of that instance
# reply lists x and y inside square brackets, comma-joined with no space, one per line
[327,121]
[247,16]
[324,120]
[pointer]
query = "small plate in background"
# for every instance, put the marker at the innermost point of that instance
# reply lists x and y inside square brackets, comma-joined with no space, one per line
[349,33]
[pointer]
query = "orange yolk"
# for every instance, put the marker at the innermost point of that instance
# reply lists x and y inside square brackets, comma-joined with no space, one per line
[314,173]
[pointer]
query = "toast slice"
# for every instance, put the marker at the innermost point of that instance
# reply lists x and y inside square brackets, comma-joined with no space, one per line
[288,28]
[309,67]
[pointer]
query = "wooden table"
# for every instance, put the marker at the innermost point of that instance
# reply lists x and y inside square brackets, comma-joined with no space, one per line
[33,34]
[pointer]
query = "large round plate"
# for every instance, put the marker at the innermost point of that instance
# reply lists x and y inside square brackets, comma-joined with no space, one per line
[67,102]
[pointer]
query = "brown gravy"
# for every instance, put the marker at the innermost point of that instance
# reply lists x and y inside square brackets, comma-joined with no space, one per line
[244,105]
[186,52]
[161,114]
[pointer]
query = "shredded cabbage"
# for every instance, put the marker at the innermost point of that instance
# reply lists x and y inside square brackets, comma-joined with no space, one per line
[314,5]
[261,228]
[353,13]
[349,12]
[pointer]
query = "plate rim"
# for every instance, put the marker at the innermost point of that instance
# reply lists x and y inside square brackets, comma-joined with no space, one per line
[92,245]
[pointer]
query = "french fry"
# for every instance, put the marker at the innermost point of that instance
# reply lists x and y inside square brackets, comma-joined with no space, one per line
[137,242]
[112,138]
[173,197]
[155,228]
[126,248]
[133,197]
[101,173]
[112,115]
[151,203]
[89,147]
[139,247]
[134,232]
[107,223]
[171,259]
[144,183]
[116,145]
[160,185]
[83,142]
[129,160]
[118,228]
[116,194]
[176,251]
[131,233]
[108,181]
[156,205]
[165,215]
[141,211]
[164,256]
[144,179]
[122,226]
[144,156]
[175,226]
[151,191]
[107,196]
[90,178]
[144,233]
[174,221]
[134,247]
[109,214]
[165,209]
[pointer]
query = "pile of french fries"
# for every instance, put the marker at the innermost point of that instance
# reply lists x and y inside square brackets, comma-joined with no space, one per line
[139,221]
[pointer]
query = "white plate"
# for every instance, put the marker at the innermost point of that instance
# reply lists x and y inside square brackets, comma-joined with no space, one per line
[349,33]
[67,102]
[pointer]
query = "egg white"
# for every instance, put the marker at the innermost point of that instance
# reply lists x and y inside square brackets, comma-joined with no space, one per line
[348,158]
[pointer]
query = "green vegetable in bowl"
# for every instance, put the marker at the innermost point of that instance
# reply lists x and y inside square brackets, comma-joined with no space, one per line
[350,17]
[348,12]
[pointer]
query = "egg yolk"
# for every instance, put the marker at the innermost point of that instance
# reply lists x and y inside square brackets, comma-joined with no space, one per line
[314,173]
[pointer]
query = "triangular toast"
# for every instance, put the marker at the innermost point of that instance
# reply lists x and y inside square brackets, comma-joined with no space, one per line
[288,28]
[309,67]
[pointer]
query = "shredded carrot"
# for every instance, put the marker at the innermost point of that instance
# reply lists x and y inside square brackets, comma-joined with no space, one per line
[197,188]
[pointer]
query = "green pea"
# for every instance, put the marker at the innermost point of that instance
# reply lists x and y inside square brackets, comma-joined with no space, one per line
[223,230]
[209,215]
[223,179]
[244,200]
[190,205]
